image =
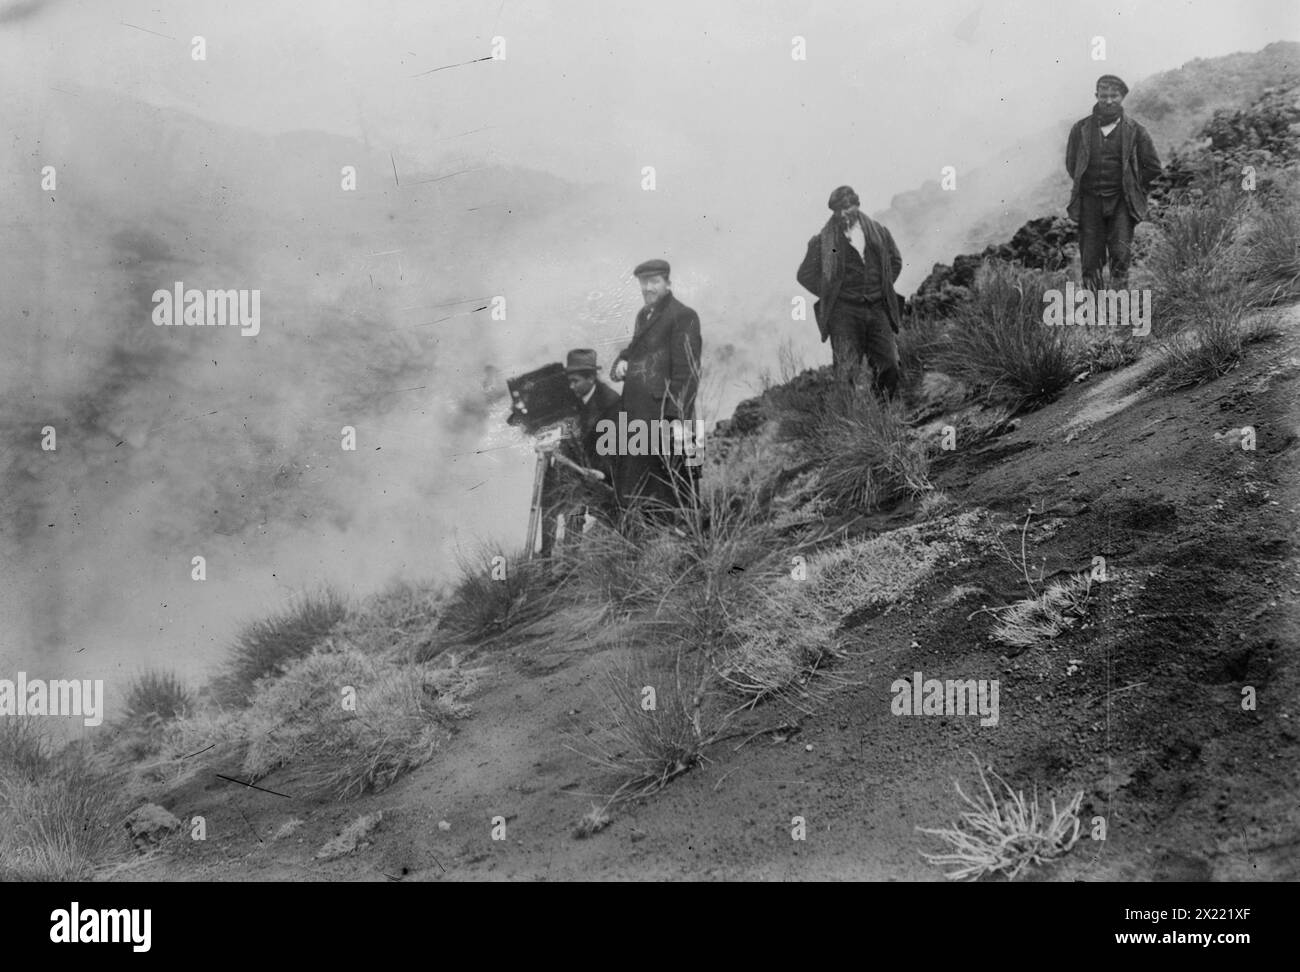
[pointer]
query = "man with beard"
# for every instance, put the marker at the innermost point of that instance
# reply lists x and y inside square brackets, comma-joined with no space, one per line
[851,266]
[660,371]
[1112,162]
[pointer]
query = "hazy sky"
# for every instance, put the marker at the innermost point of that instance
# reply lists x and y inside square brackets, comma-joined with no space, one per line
[179,442]
[594,89]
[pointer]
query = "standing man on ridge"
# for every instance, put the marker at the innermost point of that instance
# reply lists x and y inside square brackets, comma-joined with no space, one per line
[660,370]
[1112,162]
[851,266]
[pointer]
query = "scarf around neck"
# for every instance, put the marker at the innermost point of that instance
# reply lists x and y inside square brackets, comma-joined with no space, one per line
[835,230]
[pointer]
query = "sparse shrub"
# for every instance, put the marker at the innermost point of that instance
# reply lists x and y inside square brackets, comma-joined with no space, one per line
[920,343]
[1271,243]
[401,713]
[999,344]
[866,454]
[159,694]
[400,621]
[1195,259]
[990,839]
[266,646]
[63,825]
[177,751]
[25,747]
[1211,347]
[646,747]
[493,595]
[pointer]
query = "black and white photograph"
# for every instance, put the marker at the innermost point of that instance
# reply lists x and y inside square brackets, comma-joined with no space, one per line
[573,441]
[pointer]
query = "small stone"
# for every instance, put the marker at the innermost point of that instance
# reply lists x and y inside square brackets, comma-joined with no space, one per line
[444,825]
[808,748]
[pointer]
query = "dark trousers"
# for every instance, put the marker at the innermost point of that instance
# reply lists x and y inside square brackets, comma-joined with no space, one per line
[657,484]
[859,331]
[1105,230]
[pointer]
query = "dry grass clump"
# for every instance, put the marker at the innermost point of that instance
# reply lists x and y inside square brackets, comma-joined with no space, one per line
[999,344]
[61,812]
[1195,258]
[789,634]
[1037,620]
[401,622]
[1271,244]
[267,646]
[1004,839]
[658,724]
[496,591]
[1212,343]
[866,453]
[401,714]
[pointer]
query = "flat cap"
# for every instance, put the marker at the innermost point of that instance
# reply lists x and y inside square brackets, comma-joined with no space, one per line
[1114,81]
[843,196]
[651,268]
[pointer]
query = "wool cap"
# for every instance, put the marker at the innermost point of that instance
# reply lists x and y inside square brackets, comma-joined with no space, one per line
[843,196]
[1113,80]
[651,268]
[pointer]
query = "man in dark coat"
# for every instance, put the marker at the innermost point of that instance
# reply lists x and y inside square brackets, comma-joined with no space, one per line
[597,401]
[1112,163]
[660,371]
[565,490]
[851,267]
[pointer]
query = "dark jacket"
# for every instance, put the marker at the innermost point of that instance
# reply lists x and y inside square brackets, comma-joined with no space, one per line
[811,277]
[663,362]
[1141,164]
[605,403]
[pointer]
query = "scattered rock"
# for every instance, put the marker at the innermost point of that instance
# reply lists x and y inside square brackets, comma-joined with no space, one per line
[444,825]
[149,825]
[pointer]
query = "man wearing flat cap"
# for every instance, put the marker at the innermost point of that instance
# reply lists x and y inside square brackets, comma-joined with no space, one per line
[1112,163]
[566,489]
[660,371]
[851,266]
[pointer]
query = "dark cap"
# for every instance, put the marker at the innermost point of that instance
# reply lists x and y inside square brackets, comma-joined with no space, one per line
[1114,81]
[842,197]
[651,268]
[581,359]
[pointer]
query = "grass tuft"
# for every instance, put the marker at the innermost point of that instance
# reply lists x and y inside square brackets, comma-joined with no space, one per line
[1004,839]
[266,647]
[999,344]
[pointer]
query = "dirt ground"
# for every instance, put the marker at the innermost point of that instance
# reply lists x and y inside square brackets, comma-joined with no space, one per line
[1140,706]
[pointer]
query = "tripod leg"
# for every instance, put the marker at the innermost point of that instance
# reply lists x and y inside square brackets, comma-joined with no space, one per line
[535,510]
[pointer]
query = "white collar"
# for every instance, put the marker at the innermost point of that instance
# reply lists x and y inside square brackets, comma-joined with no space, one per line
[587,397]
